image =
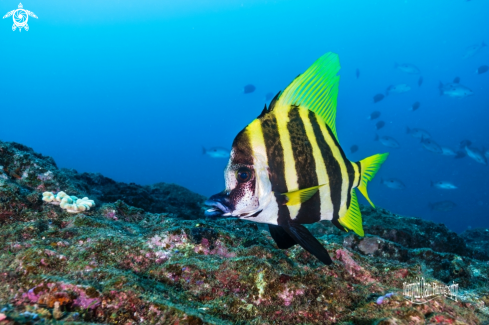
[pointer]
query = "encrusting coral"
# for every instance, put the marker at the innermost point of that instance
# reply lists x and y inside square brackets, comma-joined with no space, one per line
[71,204]
[119,264]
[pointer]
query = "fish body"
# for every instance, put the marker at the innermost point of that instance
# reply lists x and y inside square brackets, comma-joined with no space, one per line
[397,89]
[447,151]
[443,185]
[418,133]
[442,206]
[353,148]
[378,98]
[486,154]
[393,183]
[454,89]
[387,141]
[407,68]
[482,69]
[379,125]
[216,152]
[431,145]
[473,49]
[374,115]
[476,154]
[287,168]
[415,106]
[248,89]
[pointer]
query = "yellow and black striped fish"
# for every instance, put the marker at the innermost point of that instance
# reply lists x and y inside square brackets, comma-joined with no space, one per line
[287,167]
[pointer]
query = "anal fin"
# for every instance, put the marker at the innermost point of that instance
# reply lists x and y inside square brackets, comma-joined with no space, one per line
[304,238]
[281,237]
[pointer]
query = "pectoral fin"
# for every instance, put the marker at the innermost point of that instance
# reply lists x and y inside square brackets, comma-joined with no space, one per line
[301,196]
[303,237]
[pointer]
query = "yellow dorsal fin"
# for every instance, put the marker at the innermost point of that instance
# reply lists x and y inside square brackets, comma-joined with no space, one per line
[353,217]
[316,89]
[301,196]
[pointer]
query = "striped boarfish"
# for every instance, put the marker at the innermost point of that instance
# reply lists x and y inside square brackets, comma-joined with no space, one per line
[287,168]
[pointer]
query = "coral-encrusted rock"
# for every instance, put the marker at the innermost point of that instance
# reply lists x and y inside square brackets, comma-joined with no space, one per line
[122,264]
[34,171]
[478,241]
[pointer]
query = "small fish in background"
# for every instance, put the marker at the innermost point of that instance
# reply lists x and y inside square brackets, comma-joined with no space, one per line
[431,145]
[454,89]
[379,125]
[486,154]
[420,81]
[418,133]
[378,98]
[248,89]
[476,154]
[473,49]
[387,141]
[393,183]
[482,69]
[442,206]
[407,68]
[354,148]
[397,89]
[443,185]
[357,73]
[415,106]
[216,152]
[268,96]
[373,115]
[448,152]
[461,154]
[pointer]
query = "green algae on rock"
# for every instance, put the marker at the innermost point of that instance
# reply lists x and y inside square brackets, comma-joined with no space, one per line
[122,264]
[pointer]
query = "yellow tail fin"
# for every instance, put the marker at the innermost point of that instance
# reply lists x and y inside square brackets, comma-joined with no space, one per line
[370,166]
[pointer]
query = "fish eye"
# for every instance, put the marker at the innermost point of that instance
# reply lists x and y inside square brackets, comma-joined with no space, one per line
[243,174]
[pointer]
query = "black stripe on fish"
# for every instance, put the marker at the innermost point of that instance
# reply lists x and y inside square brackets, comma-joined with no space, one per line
[283,211]
[359,173]
[275,153]
[332,165]
[243,154]
[305,167]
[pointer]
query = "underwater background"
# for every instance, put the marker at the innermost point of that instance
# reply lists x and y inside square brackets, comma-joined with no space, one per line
[135,89]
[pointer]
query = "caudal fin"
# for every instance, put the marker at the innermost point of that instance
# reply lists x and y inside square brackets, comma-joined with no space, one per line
[369,167]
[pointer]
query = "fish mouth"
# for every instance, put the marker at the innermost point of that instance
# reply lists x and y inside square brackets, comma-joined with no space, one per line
[220,205]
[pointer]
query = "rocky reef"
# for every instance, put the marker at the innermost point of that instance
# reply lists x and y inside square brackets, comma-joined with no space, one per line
[146,255]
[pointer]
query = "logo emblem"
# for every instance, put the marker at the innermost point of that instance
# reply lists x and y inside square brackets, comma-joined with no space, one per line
[20,16]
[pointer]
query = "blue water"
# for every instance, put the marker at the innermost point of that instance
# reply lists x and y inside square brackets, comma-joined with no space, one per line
[134,89]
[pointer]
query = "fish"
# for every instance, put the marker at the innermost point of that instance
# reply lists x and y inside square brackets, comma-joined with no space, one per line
[378,98]
[418,133]
[288,169]
[443,185]
[216,152]
[397,89]
[476,154]
[461,154]
[420,81]
[269,96]
[415,106]
[454,89]
[431,145]
[482,69]
[248,89]
[486,154]
[379,125]
[357,73]
[393,183]
[474,49]
[387,141]
[407,68]
[447,151]
[373,115]
[442,206]
[353,148]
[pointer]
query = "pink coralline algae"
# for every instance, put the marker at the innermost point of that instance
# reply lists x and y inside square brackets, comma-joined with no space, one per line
[352,267]
[217,249]
[287,295]
[62,293]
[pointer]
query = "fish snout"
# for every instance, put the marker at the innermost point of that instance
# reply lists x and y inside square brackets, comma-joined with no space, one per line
[220,205]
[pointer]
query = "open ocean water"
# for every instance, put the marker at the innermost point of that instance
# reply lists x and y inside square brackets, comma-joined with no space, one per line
[135,89]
